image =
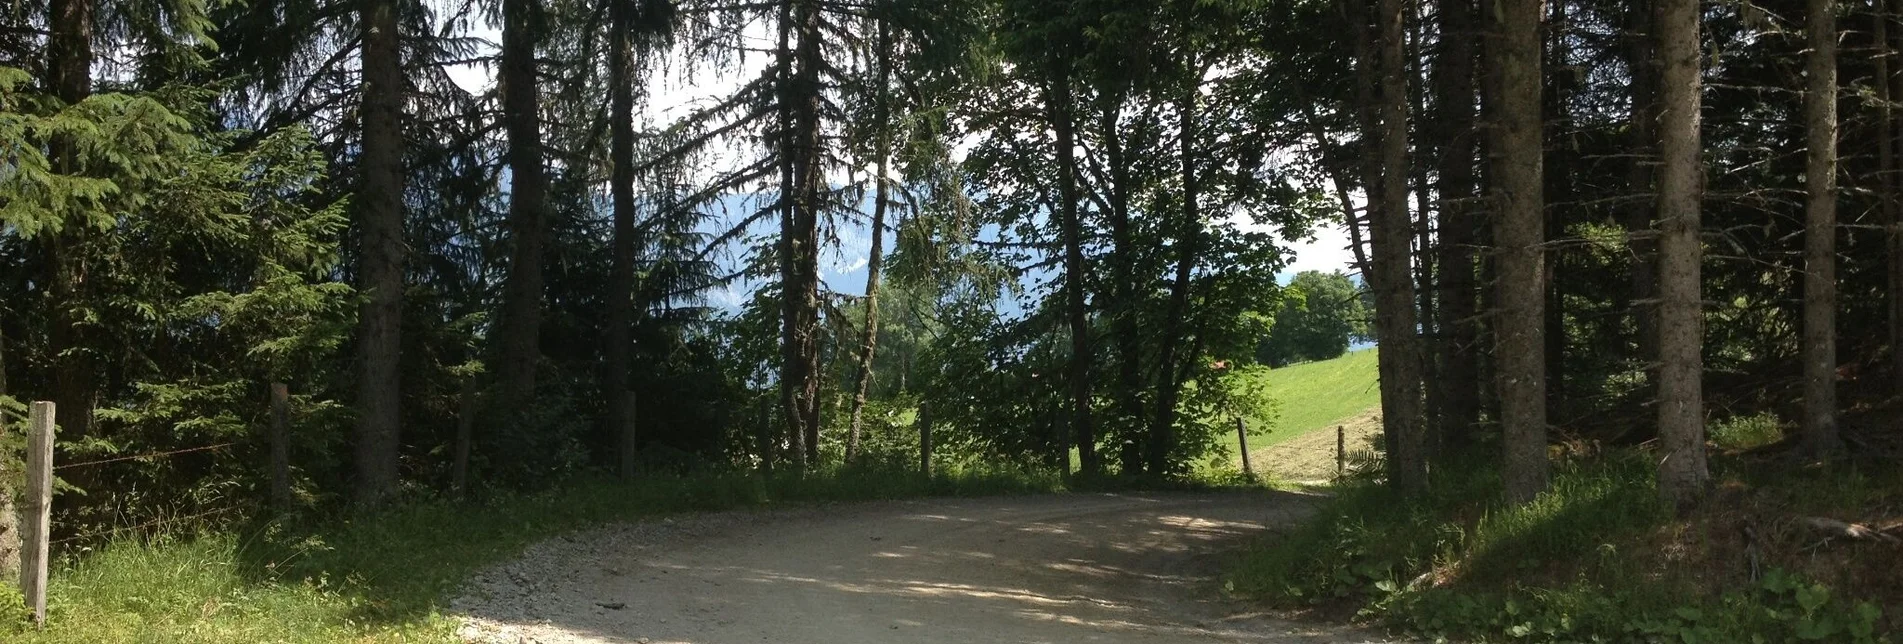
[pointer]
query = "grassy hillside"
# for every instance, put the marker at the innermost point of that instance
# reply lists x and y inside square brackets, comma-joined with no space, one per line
[1315,395]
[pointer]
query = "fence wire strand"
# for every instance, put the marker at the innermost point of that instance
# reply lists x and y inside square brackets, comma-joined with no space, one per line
[135,457]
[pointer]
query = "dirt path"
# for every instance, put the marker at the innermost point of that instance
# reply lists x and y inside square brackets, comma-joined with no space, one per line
[1045,569]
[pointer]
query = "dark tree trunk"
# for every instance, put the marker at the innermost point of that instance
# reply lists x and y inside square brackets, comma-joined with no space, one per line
[1394,279]
[875,259]
[1887,11]
[69,59]
[380,273]
[621,80]
[800,374]
[789,188]
[1683,472]
[1892,212]
[1521,380]
[1557,198]
[1126,310]
[1059,105]
[1459,377]
[1820,234]
[519,327]
[1188,244]
[1642,154]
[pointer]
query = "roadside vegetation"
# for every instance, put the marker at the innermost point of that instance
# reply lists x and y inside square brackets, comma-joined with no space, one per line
[387,576]
[1598,557]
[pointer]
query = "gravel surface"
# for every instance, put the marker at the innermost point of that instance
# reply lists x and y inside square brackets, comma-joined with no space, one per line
[1124,568]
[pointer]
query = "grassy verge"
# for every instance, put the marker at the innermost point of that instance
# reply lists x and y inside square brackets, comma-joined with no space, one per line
[1314,395]
[1597,558]
[384,577]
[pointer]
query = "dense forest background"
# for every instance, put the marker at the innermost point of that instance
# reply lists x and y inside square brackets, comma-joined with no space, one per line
[1580,221]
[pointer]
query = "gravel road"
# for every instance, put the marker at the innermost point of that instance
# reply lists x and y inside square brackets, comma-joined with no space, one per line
[1103,568]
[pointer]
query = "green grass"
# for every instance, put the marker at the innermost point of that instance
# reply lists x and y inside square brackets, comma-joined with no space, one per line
[1314,395]
[1595,558]
[385,577]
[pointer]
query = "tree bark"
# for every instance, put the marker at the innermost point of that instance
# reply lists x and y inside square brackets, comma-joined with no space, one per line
[1188,244]
[1400,363]
[1518,231]
[1124,325]
[519,328]
[875,259]
[1683,474]
[799,379]
[1820,234]
[1460,372]
[69,60]
[380,272]
[1892,211]
[1058,104]
[619,352]
[1557,173]
[1642,151]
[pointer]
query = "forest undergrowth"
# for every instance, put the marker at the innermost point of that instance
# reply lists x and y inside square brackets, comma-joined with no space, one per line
[1599,558]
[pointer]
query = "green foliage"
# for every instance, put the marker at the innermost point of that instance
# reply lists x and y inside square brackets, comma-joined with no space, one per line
[1459,565]
[1747,432]
[1322,315]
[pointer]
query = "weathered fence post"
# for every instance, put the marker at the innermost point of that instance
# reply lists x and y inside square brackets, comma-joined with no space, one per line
[465,427]
[925,439]
[1242,438]
[37,514]
[627,440]
[1341,452]
[281,446]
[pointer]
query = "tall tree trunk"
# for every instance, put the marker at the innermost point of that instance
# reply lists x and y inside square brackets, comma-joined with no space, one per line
[875,259]
[1059,105]
[1683,473]
[800,374]
[1518,226]
[1124,326]
[1400,361]
[619,352]
[69,60]
[1641,58]
[1459,377]
[520,325]
[380,273]
[1886,11]
[1556,198]
[1820,234]
[789,188]
[1427,146]
[1188,244]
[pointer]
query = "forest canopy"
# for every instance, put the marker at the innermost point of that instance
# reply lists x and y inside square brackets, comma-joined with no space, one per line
[1582,214]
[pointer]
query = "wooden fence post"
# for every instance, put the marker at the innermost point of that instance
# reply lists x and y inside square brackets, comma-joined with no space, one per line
[37,514]
[465,429]
[280,446]
[1242,437]
[628,453]
[925,439]
[1341,452]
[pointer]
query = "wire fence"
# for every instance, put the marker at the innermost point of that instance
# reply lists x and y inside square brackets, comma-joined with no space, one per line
[146,456]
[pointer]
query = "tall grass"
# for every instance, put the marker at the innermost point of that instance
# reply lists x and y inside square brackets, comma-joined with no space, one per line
[1595,558]
[384,577]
